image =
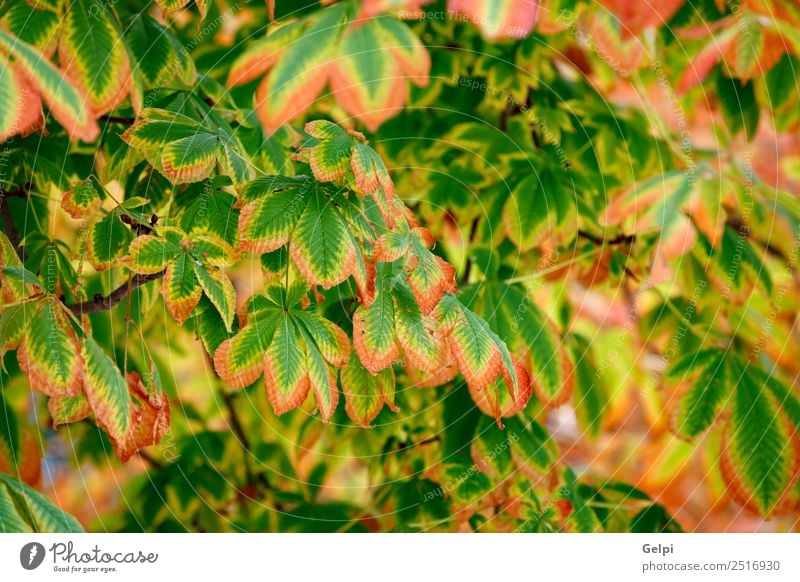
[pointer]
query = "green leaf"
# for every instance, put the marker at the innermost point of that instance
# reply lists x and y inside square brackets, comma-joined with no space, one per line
[591,399]
[583,518]
[294,349]
[154,46]
[531,445]
[321,245]
[285,366]
[83,198]
[374,335]
[108,240]
[464,483]
[35,25]
[93,55]
[239,361]
[49,354]
[106,391]
[219,290]
[739,106]
[211,213]
[67,409]
[417,334]
[22,275]
[266,223]
[536,208]
[757,457]
[37,509]
[491,449]
[150,254]
[300,74]
[365,393]
[9,432]
[186,150]
[10,519]
[16,116]
[700,405]
[181,288]
[210,327]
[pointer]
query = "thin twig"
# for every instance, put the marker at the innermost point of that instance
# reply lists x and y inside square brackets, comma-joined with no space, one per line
[101,303]
[115,119]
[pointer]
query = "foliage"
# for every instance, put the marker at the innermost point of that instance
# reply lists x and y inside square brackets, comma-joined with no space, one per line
[544,251]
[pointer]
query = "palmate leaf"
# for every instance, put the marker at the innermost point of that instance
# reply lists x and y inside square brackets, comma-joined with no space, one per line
[429,276]
[65,101]
[393,324]
[186,150]
[293,348]
[302,69]
[306,213]
[191,269]
[759,457]
[327,154]
[369,75]
[19,504]
[93,55]
[368,63]
[710,380]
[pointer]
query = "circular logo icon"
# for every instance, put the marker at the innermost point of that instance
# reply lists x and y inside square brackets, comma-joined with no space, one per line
[31,555]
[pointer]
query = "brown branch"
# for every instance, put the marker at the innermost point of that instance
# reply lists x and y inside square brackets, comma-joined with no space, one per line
[9,227]
[101,303]
[115,119]
[621,239]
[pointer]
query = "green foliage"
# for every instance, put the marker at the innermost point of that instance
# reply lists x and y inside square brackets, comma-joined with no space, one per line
[523,260]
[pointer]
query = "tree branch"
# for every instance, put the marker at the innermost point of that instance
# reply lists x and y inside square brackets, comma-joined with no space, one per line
[8,221]
[115,119]
[621,239]
[100,303]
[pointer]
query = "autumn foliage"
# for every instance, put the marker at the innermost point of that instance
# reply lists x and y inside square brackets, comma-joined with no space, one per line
[409,265]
